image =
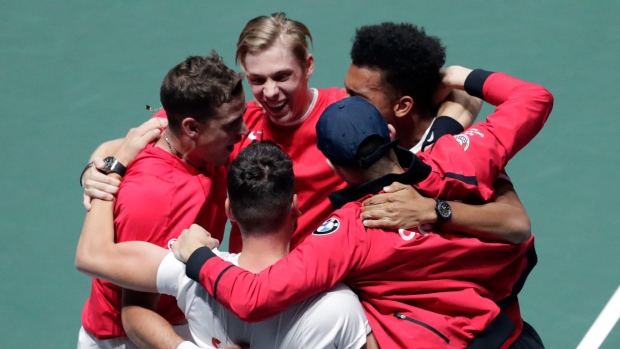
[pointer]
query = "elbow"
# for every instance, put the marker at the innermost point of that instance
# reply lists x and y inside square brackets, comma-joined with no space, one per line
[86,262]
[546,99]
[83,263]
[519,230]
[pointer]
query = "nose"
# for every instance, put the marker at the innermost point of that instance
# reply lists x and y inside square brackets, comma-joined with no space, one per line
[271,89]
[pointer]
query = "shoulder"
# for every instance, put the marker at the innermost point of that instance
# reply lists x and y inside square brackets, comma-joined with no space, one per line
[253,113]
[345,221]
[332,94]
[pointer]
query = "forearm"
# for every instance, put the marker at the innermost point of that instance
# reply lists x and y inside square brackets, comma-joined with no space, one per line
[313,267]
[492,221]
[143,325]
[461,107]
[503,220]
[106,149]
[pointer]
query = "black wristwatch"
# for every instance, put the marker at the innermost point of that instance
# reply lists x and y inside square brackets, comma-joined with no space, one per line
[443,210]
[112,165]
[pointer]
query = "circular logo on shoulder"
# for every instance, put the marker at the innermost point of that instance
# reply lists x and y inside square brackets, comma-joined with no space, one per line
[463,141]
[330,226]
[170,242]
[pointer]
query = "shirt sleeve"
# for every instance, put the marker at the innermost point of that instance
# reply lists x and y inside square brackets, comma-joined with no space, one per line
[169,275]
[327,256]
[142,213]
[472,160]
[338,321]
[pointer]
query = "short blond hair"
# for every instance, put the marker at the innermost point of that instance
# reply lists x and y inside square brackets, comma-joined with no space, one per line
[264,31]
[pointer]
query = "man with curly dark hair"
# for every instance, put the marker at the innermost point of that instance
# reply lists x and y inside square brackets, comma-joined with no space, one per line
[397,68]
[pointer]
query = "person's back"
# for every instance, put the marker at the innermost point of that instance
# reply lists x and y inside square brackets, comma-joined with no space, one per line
[418,286]
[332,319]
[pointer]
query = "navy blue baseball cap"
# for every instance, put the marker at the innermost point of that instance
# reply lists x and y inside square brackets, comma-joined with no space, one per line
[344,125]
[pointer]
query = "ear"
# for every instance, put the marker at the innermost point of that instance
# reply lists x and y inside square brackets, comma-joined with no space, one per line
[403,106]
[392,131]
[295,207]
[309,65]
[190,127]
[229,211]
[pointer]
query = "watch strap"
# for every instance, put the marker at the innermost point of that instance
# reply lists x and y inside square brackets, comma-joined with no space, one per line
[88,165]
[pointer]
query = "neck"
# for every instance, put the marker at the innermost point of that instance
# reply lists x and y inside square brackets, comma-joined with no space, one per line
[413,127]
[260,252]
[176,146]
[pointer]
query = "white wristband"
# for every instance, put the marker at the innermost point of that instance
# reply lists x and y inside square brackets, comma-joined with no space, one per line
[188,345]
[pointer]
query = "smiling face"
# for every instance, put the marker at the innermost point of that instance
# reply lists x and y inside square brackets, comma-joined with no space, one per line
[215,138]
[279,82]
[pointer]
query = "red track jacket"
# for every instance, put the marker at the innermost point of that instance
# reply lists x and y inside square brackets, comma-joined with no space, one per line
[419,289]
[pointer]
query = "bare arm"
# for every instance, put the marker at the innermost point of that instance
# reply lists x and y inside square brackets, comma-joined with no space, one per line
[502,220]
[403,207]
[461,107]
[132,264]
[143,325]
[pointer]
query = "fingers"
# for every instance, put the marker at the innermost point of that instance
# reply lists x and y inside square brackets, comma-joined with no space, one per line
[196,228]
[396,186]
[94,176]
[212,243]
[99,186]
[176,251]
[86,202]
[384,223]
[98,163]
[149,126]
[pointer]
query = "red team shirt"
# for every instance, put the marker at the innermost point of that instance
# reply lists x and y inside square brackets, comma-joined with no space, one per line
[159,197]
[434,290]
[314,180]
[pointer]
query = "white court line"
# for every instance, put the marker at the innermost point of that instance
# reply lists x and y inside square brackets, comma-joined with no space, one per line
[603,324]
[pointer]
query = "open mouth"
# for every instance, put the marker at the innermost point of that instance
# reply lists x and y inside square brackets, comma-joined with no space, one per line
[230,147]
[276,106]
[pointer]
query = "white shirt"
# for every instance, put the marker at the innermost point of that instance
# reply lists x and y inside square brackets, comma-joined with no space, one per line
[333,319]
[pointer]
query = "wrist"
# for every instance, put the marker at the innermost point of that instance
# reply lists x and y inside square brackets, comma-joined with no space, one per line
[86,168]
[443,211]
[431,211]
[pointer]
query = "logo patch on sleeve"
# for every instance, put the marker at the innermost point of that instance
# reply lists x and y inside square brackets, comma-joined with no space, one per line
[170,242]
[463,141]
[330,226]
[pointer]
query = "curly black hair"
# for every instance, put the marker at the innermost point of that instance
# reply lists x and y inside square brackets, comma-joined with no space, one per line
[409,59]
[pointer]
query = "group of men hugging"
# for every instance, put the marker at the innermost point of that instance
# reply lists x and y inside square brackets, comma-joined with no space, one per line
[373,215]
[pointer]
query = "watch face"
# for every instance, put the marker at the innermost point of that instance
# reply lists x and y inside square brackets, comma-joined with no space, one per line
[109,162]
[444,210]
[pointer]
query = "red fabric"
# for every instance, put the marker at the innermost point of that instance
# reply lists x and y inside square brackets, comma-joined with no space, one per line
[158,198]
[314,180]
[449,282]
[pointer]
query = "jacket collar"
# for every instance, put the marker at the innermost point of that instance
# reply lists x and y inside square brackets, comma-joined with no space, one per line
[416,172]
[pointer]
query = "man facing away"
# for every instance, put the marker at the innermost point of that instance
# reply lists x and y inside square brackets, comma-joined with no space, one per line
[418,288]
[262,201]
